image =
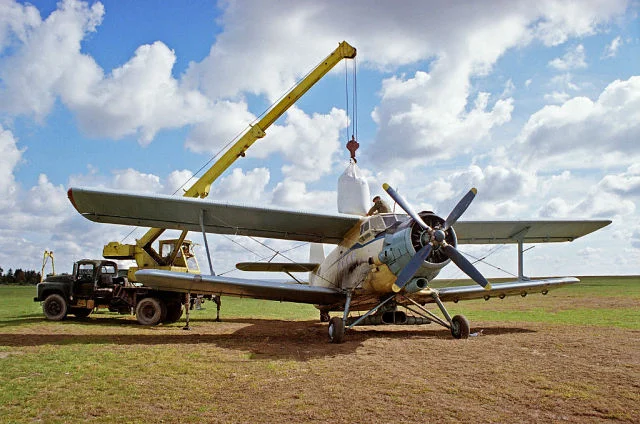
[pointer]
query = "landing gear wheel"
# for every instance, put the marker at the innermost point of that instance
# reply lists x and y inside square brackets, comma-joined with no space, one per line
[460,327]
[174,312]
[149,311]
[324,316]
[80,312]
[54,307]
[336,330]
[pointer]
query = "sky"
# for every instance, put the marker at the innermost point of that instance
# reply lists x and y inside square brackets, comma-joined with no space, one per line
[537,104]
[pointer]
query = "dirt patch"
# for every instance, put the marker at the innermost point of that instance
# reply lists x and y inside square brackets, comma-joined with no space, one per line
[264,370]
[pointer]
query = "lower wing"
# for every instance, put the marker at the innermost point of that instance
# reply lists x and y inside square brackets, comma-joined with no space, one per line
[514,288]
[257,289]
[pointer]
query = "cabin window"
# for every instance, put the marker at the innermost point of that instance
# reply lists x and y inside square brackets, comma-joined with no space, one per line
[364,228]
[108,269]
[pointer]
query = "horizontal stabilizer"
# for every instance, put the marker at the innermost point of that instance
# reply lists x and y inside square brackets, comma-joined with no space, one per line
[257,289]
[277,266]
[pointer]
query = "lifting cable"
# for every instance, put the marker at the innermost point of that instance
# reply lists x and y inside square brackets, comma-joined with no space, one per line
[353,114]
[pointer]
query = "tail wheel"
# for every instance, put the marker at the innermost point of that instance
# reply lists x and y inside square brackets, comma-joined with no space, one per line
[55,307]
[336,330]
[150,311]
[460,327]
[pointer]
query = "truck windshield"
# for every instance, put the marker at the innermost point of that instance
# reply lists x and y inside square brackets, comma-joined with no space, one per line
[85,271]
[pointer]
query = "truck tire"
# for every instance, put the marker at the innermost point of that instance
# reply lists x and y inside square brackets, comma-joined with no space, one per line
[80,312]
[174,311]
[54,307]
[149,311]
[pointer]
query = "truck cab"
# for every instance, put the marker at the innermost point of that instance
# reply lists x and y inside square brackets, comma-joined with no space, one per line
[91,285]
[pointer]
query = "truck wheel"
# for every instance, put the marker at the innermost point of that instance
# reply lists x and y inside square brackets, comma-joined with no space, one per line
[174,311]
[54,307]
[80,312]
[149,311]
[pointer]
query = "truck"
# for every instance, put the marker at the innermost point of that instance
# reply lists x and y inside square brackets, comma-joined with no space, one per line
[97,283]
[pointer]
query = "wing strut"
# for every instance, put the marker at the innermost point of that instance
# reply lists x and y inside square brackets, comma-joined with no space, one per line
[520,238]
[206,244]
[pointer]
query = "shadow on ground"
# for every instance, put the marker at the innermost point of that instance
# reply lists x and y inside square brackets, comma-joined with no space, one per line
[264,339]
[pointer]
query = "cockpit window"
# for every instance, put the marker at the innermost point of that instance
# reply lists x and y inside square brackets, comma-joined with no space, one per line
[389,220]
[364,227]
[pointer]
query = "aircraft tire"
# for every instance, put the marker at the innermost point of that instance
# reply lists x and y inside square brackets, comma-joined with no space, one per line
[149,311]
[336,330]
[54,307]
[460,327]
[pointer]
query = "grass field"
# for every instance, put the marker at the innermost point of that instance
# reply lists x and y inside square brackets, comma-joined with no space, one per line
[571,355]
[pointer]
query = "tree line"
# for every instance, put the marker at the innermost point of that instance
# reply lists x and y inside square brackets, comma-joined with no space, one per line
[19,276]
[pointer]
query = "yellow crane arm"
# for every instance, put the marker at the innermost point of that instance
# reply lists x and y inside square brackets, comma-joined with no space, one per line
[257,130]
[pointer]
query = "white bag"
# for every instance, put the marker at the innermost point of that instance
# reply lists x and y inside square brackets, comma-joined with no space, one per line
[353,191]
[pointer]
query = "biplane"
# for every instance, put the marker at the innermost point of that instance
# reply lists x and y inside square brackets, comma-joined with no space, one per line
[381,267]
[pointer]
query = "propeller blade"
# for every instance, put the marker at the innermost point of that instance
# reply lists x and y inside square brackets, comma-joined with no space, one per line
[405,205]
[466,266]
[462,206]
[410,269]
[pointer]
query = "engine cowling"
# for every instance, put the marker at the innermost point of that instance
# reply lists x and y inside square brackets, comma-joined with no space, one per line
[409,237]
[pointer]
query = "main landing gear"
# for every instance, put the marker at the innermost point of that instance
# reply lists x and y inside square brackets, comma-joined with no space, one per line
[458,325]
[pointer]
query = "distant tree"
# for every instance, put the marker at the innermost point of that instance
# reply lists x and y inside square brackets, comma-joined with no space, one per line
[9,278]
[19,276]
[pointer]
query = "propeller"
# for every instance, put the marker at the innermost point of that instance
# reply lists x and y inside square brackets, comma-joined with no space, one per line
[436,239]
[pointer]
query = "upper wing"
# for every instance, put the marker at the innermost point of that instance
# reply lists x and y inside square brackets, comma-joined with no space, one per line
[182,213]
[514,288]
[499,232]
[257,289]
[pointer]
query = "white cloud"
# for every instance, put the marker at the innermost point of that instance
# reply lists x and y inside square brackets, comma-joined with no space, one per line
[557,97]
[582,133]
[247,188]
[612,48]
[309,143]
[572,59]
[294,195]
[46,198]
[179,181]
[133,180]
[48,60]
[10,156]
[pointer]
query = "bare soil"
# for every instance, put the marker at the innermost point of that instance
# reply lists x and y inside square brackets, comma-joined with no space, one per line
[271,371]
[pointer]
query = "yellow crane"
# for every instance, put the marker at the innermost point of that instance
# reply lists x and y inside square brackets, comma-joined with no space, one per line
[48,254]
[177,254]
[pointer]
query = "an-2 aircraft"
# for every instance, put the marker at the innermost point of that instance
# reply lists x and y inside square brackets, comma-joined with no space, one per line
[381,262]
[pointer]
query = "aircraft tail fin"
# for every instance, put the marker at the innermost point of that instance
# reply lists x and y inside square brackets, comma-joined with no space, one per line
[316,253]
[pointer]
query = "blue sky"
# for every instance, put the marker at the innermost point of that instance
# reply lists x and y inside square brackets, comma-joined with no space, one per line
[537,105]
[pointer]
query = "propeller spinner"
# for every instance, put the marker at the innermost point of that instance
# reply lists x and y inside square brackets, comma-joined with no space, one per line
[436,239]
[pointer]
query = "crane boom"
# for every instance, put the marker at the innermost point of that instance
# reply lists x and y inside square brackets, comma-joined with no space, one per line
[142,251]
